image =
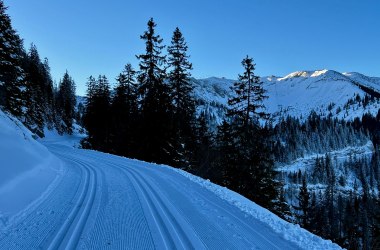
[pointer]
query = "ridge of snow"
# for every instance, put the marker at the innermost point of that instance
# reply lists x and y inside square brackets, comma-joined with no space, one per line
[318,73]
[296,74]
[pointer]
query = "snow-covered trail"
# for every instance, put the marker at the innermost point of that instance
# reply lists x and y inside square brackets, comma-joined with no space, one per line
[109,202]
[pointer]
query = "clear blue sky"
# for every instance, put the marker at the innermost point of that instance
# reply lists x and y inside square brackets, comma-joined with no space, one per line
[100,37]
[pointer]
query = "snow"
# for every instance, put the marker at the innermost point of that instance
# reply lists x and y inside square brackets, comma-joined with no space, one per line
[370,82]
[338,157]
[52,136]
[307,163]
[97,200]
[318,73]
[295,74]
[27,167]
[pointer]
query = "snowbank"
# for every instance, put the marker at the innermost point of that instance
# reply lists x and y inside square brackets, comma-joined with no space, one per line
[27,167]
[294,233]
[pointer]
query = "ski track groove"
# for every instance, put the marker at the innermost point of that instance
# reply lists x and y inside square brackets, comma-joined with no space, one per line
[176,228]
[27,233]
[246,226]
[127,228]
[200,230]
[200,234]
[73,226]
[122,236]
[158,207]
[167,240]
[264,243]
[217,244]
[105,213]
[248,229]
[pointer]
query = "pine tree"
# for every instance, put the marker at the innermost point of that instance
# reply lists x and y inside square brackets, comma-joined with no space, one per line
[255,169]
[181,92]
[281,207]
[304,203]
[65,104]
[157,142]
[329,199]
[48,94]
[35,113]
[152,72]
[227,161]
[376,223]
[247,104]
[179,79]
[203,154]
[97,114]
[89,116]
[124,111]
[12,84]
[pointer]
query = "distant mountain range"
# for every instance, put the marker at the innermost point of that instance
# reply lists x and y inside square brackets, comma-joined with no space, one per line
[297,94]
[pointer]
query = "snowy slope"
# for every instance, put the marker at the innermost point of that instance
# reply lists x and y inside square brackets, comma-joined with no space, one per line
[27,167]
[108,202]
[296,94]
[363,80]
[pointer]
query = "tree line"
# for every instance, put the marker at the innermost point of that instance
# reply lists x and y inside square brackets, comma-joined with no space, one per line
[346,213]
[26,86]
[294,138]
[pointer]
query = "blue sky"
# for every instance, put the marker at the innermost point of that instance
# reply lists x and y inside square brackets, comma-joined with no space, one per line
[100,37]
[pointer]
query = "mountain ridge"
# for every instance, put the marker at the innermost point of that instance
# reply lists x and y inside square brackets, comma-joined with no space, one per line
[296,94]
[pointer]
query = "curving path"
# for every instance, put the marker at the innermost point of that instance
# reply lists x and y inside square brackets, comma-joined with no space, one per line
[109,202]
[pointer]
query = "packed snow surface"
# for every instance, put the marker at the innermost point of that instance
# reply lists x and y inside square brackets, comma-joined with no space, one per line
[101,201]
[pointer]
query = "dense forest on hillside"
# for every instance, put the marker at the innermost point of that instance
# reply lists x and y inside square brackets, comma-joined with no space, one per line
[26,86]
[150,114]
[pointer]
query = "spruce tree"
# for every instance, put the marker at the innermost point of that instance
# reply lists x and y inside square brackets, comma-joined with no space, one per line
[304,203]
[65,104]
[48,94]
[97,115]
[255,170]
[181,93]
[282,208]
[124,111]
[247,103]
[180,84]
[227,159]
[35,113]
[152,62]
[203,154]
[156,137]
[89,116]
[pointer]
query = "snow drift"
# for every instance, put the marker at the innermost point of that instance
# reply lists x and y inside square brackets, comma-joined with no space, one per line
[27,167]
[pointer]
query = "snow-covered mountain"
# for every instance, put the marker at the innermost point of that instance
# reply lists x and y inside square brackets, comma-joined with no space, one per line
[297,94]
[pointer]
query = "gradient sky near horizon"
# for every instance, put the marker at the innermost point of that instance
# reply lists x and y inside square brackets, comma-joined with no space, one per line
[100,37]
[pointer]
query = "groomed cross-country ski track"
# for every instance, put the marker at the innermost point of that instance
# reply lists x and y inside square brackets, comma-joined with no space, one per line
[101,201]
